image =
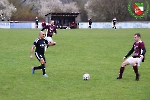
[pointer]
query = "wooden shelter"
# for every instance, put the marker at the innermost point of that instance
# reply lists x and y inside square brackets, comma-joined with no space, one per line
[62,19]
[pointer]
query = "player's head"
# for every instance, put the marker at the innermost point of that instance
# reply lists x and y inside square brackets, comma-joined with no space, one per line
[41,35]
[137,37]
[43,24]
[52,22]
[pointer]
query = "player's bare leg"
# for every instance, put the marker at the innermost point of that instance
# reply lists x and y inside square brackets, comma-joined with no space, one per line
[122,68]
[52,43]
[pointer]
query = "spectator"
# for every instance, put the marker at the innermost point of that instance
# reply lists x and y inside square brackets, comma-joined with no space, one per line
[90,23]
[73,25]
[36,22]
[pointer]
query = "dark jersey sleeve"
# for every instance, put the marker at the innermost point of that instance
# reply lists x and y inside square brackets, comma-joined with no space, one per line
[114,20]
[46,27]
[142,45]
[35,42]
[143,48]
[130,52]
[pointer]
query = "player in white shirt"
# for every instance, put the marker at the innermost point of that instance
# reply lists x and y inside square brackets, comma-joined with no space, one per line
[114,21]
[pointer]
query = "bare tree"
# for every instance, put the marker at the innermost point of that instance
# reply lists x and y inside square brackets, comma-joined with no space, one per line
[6,10]
[83,12]
[105,10]
[79,7]
[43,7]
[71,7]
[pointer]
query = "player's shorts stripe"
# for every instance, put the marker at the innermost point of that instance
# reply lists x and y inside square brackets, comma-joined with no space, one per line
[37,55]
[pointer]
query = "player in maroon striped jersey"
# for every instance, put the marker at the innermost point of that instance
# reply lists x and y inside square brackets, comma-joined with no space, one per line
[51,30]
[139,55]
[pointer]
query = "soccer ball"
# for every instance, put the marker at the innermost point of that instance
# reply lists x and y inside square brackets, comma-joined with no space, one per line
[86,76]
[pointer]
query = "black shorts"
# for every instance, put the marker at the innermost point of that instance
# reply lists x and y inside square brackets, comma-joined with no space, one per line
[36,22]
[114,23]
[39,56]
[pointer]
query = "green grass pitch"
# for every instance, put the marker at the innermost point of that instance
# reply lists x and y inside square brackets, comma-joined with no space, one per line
[98,52]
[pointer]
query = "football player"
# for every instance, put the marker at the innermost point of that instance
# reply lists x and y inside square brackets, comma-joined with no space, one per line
[114,21]
[139,55]
[51,30]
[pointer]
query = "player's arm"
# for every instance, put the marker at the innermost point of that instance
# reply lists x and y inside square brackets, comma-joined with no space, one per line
[43,29]
[130,52]
[143,53]
[46,27]
[143,50]
[31,51]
